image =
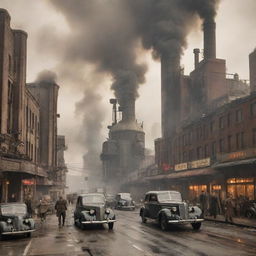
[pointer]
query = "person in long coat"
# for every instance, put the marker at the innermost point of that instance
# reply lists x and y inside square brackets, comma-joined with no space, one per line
[214,207]
[61,207]
[229,208]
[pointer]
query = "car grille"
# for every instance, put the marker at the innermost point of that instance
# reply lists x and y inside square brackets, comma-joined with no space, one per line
[182,211]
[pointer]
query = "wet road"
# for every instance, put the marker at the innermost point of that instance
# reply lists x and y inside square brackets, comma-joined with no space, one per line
[130,237]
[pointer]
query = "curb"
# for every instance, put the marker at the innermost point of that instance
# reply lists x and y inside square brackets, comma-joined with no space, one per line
[231,223]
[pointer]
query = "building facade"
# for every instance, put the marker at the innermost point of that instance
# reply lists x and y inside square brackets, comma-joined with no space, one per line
[28,122]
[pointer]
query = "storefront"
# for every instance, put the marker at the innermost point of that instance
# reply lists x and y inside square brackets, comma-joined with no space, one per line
[241,187]
[29,188]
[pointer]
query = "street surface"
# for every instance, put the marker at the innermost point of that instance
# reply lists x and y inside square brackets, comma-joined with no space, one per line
[130,237]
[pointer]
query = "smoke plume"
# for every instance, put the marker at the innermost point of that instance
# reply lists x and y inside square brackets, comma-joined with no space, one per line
[108,34]
[47,76]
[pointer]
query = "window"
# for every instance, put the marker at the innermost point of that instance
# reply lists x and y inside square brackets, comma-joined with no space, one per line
[254,136]
[206,151]
[205,131]
[239,116]
[153,198]
[229,119]
[10,64]
[184,141]
[214,148]
[191,155]
[221,122]
[199,153]
[253,109]
[240,140]
[222,145]
[185,156]
[199,132]
[229,143]
[190,138]
[212,126]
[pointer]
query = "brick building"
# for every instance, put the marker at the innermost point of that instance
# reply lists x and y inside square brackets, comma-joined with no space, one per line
[28,122]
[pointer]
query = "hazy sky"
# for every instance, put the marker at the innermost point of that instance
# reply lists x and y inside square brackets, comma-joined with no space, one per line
[236,38]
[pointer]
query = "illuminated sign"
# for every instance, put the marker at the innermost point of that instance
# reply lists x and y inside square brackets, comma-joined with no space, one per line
[249,153]
[199,163]
[28,182]
[181,167]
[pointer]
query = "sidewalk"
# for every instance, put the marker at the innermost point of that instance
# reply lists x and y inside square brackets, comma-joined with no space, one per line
[242,222]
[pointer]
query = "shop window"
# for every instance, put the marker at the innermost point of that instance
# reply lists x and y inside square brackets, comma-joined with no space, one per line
[216,187]
[240,180]
[241,187]
[222,145]
[229,143]
[253,109]
[196,190]
[239,116]
[221,122]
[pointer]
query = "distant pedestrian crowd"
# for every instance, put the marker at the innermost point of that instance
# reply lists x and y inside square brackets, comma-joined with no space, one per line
[212,205]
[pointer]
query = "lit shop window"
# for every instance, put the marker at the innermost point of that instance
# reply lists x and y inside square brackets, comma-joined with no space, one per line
[239,180]
[216,187]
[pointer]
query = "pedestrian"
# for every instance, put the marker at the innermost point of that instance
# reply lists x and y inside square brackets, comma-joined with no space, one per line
[214,207]
[61,207]
[28,203]
[43,208]
[203,202]
[229,208]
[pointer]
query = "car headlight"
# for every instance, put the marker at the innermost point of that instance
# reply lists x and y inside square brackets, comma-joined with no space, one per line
[191,209]
[107,211]
[174,209]
[9,221]
[92,212]
[26,221]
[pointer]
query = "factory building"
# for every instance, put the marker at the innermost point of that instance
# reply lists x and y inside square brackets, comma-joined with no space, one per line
[123,152]
[208,127]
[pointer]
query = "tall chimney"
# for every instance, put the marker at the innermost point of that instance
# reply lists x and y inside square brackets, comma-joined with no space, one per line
[170,94]
[209,39]
[127,104]
[196,57]
[252,67]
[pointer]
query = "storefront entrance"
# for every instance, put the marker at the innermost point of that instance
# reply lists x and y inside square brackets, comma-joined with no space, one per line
[241,187]
[195,191]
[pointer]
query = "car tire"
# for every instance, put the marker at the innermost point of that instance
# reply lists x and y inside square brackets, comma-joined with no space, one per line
[249,214]
[196,226]
[28,234]
[143,218]
[111,225]
[163,222]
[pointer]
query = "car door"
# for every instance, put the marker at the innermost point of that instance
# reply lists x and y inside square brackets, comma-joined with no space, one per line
[78,207]
[153,206]
[146,205]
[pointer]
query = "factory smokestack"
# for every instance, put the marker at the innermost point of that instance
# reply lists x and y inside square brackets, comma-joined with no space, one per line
[209,27]
[196,57]
[127,105]
[252,67]
[170,93]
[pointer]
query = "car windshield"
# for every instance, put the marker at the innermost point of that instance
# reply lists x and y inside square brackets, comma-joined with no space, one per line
[125,196]
[169,196]
[93,199]
[13,209]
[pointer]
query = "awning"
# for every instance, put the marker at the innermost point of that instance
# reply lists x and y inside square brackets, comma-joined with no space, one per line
[185,174]
[235,163]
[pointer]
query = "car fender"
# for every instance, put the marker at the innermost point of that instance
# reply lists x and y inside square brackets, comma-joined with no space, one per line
[111,214]
[143,209]
[165,212]
[195,211]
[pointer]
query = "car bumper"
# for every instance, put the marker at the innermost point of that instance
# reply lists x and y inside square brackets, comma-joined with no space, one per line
[98,221]
[126,207]
[18,232]
[185,221]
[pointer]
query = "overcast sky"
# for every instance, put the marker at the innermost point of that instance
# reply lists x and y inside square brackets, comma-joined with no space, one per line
[236,38]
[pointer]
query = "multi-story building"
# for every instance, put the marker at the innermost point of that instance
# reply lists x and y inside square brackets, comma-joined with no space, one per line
[28,122]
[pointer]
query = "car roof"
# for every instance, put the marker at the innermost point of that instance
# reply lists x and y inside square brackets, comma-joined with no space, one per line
[162,191]
[92,194]
[124,193]
[15,203]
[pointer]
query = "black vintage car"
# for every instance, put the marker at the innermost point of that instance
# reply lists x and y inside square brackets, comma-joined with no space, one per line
[167,207]
[92,209]
[124,202]
[14,219]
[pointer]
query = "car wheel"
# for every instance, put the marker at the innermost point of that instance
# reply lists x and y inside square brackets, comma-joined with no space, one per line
[111,225]
[196,226]
[249,214]
[143,218]
[28,234]
[163,223]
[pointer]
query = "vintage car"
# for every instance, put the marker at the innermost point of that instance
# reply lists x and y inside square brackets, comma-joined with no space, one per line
[91,209]
[124,202]
[167,207]
[14,219]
